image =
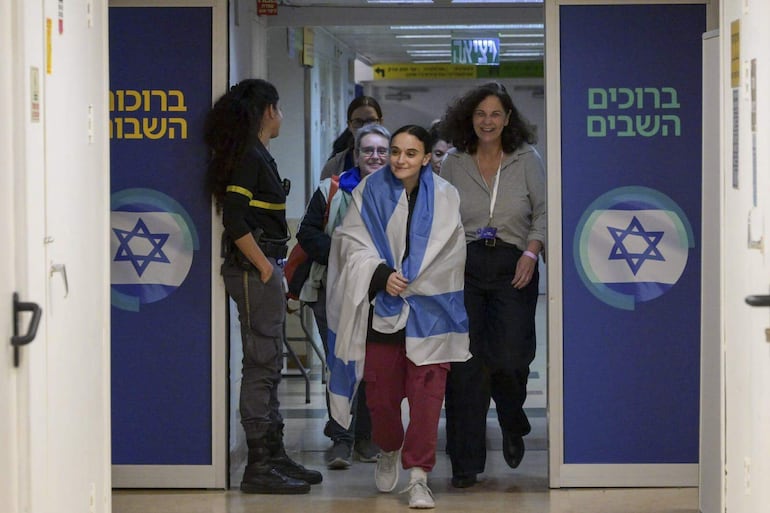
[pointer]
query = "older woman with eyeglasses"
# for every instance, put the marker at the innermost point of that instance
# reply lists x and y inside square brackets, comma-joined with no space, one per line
[362,111]
[371,148]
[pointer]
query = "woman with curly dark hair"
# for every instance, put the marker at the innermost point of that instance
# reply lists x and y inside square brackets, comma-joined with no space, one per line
[244,181]
[501,181]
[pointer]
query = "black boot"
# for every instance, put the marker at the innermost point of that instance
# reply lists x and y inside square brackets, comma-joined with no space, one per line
[261,477]
[285,465]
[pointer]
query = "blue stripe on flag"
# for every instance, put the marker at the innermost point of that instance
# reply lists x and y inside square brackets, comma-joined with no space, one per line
[379,199]
[375,211]
[342,375]
[422,223]
[436,315]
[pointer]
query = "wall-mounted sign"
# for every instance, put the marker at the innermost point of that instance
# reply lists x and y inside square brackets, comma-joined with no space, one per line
[387,71]
[160,225]
[267,7]
[308,46]
[631,235]
[481,51]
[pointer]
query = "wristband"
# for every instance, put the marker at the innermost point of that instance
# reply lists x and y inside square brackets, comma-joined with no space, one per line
[530,255]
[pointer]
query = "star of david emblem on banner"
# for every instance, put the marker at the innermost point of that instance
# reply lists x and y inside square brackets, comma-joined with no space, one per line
[152,246]
[632,245]
[623,249]
[127,251]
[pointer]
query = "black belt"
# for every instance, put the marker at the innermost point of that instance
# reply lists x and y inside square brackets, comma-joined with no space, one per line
[497,242]
[272,249]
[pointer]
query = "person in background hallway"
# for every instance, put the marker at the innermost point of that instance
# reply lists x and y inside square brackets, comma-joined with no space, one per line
[363,110]
[244,182]
[501,181]
[396,314]
[441,147]
[371,149]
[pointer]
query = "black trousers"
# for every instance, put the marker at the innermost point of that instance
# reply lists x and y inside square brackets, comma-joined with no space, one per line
[502,341]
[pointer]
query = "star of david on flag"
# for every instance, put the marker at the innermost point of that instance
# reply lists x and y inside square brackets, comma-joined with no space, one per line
[152,253]
[632,244]
[135,242]
[635,245]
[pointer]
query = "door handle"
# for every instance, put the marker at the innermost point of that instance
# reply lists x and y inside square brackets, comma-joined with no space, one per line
[61,268]
[758,300]
[21,340]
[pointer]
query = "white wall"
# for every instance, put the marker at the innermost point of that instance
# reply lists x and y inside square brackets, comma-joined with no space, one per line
[288,76]
[313,100]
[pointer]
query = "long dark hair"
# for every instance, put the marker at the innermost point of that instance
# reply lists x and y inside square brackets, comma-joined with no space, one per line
[232,126]
[346,139]
[457,123]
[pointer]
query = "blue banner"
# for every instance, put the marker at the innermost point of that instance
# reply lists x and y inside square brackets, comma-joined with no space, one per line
[160,91]
[631,201]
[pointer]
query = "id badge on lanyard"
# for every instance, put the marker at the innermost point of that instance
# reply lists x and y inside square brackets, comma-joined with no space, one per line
[489,233]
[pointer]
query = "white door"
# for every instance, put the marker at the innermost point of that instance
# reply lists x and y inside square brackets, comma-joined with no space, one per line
[77,256]
[54,422]
[9,458]
[746,258]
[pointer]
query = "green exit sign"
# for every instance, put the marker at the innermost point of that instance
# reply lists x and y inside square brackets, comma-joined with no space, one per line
[480,51]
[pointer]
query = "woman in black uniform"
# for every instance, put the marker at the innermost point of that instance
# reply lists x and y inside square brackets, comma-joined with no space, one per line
[244,181]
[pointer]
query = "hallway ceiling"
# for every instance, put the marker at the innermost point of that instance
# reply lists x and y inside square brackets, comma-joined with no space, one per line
[390,31]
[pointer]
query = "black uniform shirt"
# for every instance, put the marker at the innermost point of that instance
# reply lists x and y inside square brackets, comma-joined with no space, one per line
[255,197]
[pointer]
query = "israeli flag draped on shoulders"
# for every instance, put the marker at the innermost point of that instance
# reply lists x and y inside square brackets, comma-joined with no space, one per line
[431,308]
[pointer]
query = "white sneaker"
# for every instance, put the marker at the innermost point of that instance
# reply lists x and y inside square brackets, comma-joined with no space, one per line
[386,471]
[420,496]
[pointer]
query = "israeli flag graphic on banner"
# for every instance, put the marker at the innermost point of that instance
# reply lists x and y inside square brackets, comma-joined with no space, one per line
[149,248]
[152,245]
[635,246]
[632,252]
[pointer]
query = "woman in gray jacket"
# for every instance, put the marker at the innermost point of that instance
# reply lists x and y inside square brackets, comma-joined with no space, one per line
[501,181]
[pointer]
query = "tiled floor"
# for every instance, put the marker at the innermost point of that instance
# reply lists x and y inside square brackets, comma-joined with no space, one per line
[502,489]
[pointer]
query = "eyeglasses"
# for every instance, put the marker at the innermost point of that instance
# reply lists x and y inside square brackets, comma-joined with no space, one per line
[368,151]
[358,122]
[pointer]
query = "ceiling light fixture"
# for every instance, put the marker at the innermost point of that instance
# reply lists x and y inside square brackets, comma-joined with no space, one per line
[426,45]
[521,54]
[497,1]
[429,52]
[520,35]
[521,45]
[423,36]
[521,26]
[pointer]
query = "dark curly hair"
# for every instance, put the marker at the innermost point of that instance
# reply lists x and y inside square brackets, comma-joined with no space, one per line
[457,123]
[232,126]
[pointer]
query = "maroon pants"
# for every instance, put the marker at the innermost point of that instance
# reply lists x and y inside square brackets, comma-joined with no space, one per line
[390,377]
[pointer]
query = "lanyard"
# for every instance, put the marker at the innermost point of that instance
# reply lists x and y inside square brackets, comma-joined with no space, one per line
[494,191]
